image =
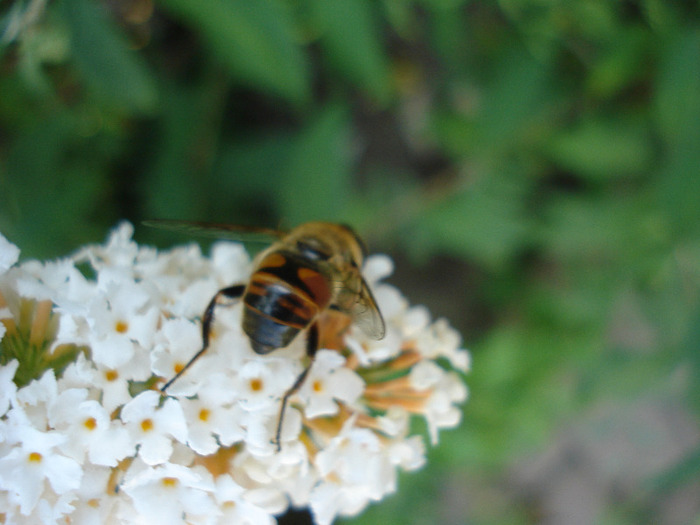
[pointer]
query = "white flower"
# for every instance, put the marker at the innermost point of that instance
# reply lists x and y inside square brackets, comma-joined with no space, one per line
[377,267]
[119,252]
[211,424]
[394,422]
[114,381]
[230,262]
[371,351]
[441,340]
[170,494]
[181,280]
[152,427]
[447,390]
[106,442]
[356,470]
[36,398]
[235,507]
[33,460]
[409,454]
[329,380]
[9,254]
[262,381]
[441,410]
[426,374]
[8,389]
[94,442]
[59,281]
[120,319]
[97,503]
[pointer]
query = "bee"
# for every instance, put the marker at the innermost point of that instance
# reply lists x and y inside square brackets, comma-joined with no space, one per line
[303,273]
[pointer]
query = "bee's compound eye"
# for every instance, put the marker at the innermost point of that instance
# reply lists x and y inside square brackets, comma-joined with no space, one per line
[312,249]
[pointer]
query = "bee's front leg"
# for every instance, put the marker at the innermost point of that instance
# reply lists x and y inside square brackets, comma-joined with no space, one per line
[232,292]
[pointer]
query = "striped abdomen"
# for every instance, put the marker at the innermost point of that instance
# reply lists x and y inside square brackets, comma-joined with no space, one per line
[283,297]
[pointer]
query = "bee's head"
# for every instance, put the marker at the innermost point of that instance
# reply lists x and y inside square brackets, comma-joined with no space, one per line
[326,240]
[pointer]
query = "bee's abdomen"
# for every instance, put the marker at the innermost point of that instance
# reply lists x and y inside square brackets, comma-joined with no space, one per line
[277,301]
[283,297]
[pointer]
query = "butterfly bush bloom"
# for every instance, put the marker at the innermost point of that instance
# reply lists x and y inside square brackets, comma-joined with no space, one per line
[87,437]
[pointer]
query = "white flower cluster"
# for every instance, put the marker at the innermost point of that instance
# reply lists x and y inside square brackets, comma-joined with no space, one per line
[95,442]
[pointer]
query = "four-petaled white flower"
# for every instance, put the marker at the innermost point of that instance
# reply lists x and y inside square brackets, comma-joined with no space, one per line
[211,424]
[262,381]
[120,319]
[152,427]
[235,507]
[171,493]
[179,340]
[327,381]
[92,432]
[31,461]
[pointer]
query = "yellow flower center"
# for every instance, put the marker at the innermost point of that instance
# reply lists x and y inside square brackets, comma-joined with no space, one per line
[121,327]
[111,375]
[318,386]
[34,457]
[169,482]
[204,414]
[90,423]
[256,385]
[147,425]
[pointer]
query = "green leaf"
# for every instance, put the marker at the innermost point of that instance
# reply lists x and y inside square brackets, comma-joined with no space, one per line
[584,229]
[255,40]
[112,71]
[625,62]
[509,111]
[247,175]
[173,185]
[46,195]
[602,149]
[350,38]
[484,222]
[315,180]
[678,186]
[678,116]
[512,108]
[677,100]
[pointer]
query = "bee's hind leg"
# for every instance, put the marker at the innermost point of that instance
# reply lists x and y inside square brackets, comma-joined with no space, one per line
[311,348]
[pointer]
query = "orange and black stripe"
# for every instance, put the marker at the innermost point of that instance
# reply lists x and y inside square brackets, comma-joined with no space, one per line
[283,297]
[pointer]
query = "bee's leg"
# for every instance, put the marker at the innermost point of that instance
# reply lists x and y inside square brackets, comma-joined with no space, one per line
[232,292]
[311,347]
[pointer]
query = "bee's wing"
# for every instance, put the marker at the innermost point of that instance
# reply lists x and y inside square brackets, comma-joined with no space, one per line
[363,309]
[218,230]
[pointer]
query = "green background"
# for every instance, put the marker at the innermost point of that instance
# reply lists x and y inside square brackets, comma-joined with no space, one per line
[533,166]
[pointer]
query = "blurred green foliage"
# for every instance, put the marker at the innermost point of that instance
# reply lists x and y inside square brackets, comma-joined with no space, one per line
[532,165]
